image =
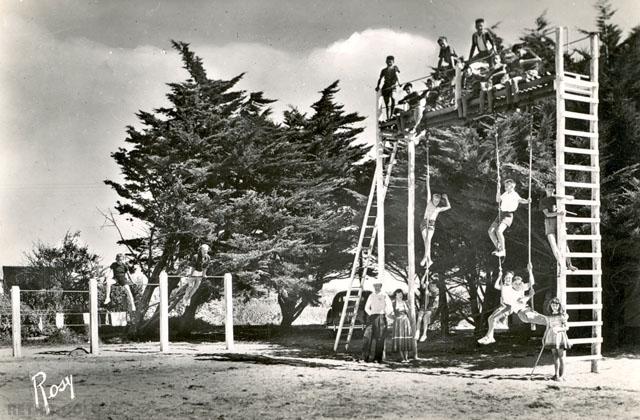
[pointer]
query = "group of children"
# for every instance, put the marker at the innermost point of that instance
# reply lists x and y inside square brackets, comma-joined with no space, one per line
[485,72]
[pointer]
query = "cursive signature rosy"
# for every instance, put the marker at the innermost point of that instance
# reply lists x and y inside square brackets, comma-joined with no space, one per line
[39,386]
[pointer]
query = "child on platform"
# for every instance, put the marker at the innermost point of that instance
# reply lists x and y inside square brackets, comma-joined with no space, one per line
[410,118]
[483,41]
[446,56]
[508,202]
[390,76]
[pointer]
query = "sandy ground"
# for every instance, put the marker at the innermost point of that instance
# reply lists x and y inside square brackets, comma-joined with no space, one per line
[269,380]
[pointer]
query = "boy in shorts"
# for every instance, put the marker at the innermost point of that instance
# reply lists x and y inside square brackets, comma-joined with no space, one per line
[428,301]
[428,224]
[483,41]
[122,278]
[509,202]
[390,76]
[548,205]
[447,56]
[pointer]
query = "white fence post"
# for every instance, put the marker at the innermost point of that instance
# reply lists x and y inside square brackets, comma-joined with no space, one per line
[16,330]
[163,280]
[228,306]
[94,321]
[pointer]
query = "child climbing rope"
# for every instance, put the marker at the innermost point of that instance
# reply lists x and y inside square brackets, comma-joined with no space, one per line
[390,76]
[504,310]
[428,224]
[508,203]
[122,278]
[548,205]
[555,337]
[428,303]
[402,339]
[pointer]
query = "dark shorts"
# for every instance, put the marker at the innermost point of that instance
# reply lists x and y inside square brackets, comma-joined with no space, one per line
[550,226]
[505,218]
[122,281]
[387,91]
[427,224]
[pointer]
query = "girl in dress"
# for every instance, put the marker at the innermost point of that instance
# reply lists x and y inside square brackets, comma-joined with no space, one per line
[402,338]
[555,337]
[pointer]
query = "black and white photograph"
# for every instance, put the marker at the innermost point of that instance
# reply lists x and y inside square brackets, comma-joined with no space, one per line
[306,209]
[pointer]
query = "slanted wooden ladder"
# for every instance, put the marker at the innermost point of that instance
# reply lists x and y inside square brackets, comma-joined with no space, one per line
[363,258]
[578,178]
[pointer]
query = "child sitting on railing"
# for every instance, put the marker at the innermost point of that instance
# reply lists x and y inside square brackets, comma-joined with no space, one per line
[522,64]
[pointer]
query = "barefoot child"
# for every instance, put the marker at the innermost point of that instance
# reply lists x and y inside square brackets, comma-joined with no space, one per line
[548,205]
[402,339]
[555,337]
[428,224]
[428,302]
[122,278]
[390,76]
[509,202]
[504,310]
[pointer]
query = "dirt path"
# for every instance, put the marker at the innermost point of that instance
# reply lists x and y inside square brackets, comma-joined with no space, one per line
[205,381]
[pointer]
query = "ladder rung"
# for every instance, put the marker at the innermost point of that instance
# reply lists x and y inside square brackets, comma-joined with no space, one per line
[580,185]
[580,133]
[582,219]
[575,202]
[578,82]
[584,273]
[570,97]
[582,168]
[580,237]
[580,151]
[584,254]
[584,324]
[583,289]
[580,116]
[570,74]
[579,306]
[589,340]
[584,358]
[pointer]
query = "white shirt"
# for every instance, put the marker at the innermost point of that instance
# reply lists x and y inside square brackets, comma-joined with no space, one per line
[378,303]
[512,297]
[509,201]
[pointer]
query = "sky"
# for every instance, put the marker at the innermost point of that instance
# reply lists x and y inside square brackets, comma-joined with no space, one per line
[73,73]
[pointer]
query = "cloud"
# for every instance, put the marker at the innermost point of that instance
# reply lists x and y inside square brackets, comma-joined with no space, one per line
[68,101]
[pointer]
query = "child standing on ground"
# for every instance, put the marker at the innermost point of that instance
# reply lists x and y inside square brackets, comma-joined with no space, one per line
[390,76]
[402,339]
[508,202]
[555,337]
[200,263]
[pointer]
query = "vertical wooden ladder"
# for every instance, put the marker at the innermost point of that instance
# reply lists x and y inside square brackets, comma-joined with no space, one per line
[578,178]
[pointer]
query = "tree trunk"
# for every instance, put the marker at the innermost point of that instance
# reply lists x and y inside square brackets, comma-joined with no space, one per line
[290,308]
[444,309]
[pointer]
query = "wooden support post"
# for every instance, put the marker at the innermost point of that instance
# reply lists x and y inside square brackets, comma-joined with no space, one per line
[411,257]
[380,191]
[595,210]
[560,187]
[228,310]
[458,90]
[163,281]
[16,325]
[94,321]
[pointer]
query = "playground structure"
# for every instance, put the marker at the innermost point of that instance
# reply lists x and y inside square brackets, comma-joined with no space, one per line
[577,156]
[94,320]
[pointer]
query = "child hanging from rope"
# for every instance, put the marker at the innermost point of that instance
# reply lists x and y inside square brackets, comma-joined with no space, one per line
[428,224]
[504,310]
[508,203]
[428,303]
[390,76]
[555,337]
[548,205]
[121,276]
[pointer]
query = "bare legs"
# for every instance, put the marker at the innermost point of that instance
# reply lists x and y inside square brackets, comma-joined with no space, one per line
[192,287]
[559,357]
[498,314]
[496,234]
[424,319]
[389,104]
[556,252]
[427,235]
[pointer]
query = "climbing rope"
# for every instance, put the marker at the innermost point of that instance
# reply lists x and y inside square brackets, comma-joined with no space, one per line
[498,186]
[529,263]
